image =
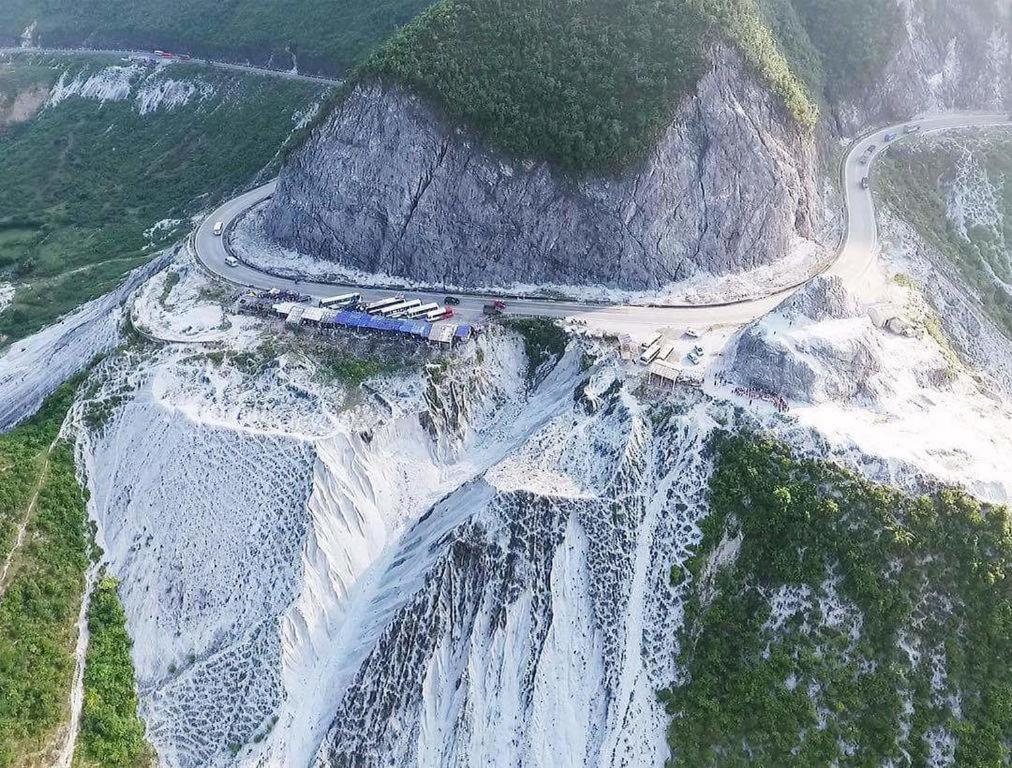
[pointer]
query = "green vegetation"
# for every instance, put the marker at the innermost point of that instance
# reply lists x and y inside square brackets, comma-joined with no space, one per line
[587,84]
[591,85]
[915,179]
[351,369]
[112,736]
[325,36]
[84,180]
[854,38]
[932,570]
[543,340]
[42,593]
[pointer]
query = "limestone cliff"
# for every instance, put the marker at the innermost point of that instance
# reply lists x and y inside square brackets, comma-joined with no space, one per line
[386,185]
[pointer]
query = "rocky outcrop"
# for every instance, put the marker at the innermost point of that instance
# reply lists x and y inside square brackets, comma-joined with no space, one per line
[387,185]
[955,55]
[814,347]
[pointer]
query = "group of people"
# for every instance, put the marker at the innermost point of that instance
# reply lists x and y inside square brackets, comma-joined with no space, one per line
[753,393]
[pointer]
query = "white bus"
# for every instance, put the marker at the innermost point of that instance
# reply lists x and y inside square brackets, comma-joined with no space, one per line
[398,309]
[344,300]
[440,313]
[387,302]
[650,353]
[666,349]
[652,339]
[424,309]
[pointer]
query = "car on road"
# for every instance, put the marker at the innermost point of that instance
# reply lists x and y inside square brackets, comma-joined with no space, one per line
[871,148]
[863,160]
[890,137]
[451,301]
[231,261]
[865,183]
[219,227]
[499,304]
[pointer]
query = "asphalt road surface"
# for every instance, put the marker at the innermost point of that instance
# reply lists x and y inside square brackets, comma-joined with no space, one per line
[855,263]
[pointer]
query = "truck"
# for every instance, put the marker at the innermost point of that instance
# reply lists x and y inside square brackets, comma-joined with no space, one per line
[650,353]
[911,129]
[491,310]
[650,340]
[421,310]
[442,313]
[344,300]
[378,305]
[398,309]
[231,261]
[219,227]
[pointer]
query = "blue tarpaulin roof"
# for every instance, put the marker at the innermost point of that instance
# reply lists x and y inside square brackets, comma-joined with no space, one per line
[362,320]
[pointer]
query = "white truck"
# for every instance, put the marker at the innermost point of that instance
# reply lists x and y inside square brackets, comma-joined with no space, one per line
[650,353]
[219,227]
[344,300]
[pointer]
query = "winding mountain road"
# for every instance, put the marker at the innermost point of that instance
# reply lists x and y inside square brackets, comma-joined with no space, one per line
[855,262]
[153,58]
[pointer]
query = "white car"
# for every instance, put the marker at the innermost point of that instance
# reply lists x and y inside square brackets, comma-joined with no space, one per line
[231,261]
[219,227]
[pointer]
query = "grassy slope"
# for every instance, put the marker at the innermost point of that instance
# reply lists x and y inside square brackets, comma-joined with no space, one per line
[84,180]
[327,36]
[914,179]
[44,586]
[112,736]
[899,561]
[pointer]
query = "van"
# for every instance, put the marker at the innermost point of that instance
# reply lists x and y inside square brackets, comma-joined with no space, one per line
[231,261]
[219,227]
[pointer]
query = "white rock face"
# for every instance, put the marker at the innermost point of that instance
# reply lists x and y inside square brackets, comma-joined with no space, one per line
[150,90]
[814,347]
[34,367]
[6,295]
[488,584]
[949,56]
[387,186]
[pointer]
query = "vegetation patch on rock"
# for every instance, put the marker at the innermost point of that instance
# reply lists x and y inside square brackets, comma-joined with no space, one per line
[856,624]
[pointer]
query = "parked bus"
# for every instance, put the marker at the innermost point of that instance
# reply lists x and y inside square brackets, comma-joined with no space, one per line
[387,302]
[398,309]
[424,309]
[666,351]
[439,314]
[652,339]
[344,300]
[650,353]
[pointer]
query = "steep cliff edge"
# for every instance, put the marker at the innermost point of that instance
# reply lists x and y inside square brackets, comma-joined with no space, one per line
[393,183]
[946,56]
[386,185]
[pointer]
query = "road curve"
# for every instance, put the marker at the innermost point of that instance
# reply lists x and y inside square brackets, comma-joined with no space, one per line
[854,263]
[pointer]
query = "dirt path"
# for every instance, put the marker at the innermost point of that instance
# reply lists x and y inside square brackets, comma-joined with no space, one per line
[26,518]
[66,756]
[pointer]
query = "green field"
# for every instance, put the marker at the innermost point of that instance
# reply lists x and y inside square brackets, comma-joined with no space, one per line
[822,687]
[84,180]
[326,36]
